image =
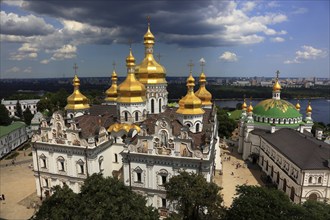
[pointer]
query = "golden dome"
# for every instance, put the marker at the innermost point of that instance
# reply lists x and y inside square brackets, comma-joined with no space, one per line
[131,90]
[149,38]
[111,93]
[277,86]
[149,71]
[298,106]
[126,127]
[202,92]
[244,105]
[76,101]
[309,108]
[250,108]
[190,104]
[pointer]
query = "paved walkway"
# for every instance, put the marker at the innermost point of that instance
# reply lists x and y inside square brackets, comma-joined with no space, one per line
[18,185]
[233,174]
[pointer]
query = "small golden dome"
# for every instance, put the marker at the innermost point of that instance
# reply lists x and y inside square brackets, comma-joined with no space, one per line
[244,105]
[190,104]
[202,92]
[298,106]
[149,38]
[76,101]
[250,108]
[126,127]
[112,93]
[149,71]
[309,108]
[131,90]
[277,86]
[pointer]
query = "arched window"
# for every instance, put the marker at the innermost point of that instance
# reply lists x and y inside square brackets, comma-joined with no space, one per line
[163,138]
[152,106]
[313,197]
[126,116]
[61,164]
[292,193]
[319,180]
[138,176]
[310,179]
[136,116]
[43,161]
[278,178]
[116,158]
[197,127]
[80,166]
[101,164]
[284,185]
[160,105]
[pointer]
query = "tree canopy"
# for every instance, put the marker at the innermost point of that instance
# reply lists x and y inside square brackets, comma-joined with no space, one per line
[18,112]
[27,115]
[100,198]
[226,124]
[4,116]
[195,198]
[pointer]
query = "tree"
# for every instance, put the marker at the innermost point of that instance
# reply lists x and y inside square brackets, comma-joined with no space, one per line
[27,115]
[314,210]
[18,112]
[100,198]
[226,124]
[195,198]
[254,202]
[4,116]
[61,205]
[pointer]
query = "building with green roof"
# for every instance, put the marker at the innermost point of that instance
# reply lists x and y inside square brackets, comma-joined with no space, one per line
[11,137]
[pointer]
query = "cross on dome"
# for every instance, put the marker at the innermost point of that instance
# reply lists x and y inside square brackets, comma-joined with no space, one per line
[114,65]
[202,63]
[190,64]
[75,67]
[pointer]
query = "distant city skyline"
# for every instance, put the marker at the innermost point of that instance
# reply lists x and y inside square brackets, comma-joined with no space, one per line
[43,39]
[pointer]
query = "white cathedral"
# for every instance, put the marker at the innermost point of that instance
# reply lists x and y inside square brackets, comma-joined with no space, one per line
[134,135]
[274,135]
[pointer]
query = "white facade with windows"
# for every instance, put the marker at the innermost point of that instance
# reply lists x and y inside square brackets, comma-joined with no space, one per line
[28,103]
[11,137]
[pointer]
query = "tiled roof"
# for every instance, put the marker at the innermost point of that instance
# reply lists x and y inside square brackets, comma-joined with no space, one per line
[303,150]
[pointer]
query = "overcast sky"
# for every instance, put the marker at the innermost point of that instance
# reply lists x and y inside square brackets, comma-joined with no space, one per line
[235,38]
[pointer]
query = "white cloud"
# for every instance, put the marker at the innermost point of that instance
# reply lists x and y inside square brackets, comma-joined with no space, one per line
[307,53]
[28,70]
[273,4]
[202,60]
[300,11]
[66,52]
[228,57]
[14,69]
[29,25]
[248,6]
[277,39]
[45,61]
[13,2]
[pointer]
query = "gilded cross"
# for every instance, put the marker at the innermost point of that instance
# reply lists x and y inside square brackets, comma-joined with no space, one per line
[159,56]
[202,63]
[148,19]
[277,73]
[75,67]
[190,64]
[114,65]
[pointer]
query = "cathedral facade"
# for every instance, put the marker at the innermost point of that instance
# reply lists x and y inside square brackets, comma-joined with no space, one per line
[274,135]
[134,135]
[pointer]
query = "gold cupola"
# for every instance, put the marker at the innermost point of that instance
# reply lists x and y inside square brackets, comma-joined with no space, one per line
[131,90]
[190,104]
[250,108]
[112,93]
[309,108]
[298,105]
[244,105]
[149,71]
[277,87]
[202,92]
[76,101]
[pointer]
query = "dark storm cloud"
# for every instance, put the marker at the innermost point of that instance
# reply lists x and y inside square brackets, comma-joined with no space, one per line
[167,17]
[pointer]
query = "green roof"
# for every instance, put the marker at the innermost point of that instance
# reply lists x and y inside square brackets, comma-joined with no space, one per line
[4,130]
[272,108]
[236,114]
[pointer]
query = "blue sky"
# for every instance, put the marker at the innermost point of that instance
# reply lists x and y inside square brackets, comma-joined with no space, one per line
[236,38]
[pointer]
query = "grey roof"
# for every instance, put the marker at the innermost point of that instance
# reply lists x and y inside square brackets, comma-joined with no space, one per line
[305,151]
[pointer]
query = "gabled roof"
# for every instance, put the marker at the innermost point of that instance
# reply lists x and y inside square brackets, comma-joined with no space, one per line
[305,151]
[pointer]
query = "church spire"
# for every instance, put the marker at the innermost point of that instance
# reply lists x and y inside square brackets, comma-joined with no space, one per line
[202,92]
[277,88]
[111,93]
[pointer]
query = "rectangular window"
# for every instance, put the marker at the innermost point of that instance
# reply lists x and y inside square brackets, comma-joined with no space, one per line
[44,165]
[81,168]
[164,203]
[139,178]
[164,178]
[61,166]
[46,183]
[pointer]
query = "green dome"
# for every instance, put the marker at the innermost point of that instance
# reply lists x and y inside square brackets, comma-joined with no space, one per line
[272,108]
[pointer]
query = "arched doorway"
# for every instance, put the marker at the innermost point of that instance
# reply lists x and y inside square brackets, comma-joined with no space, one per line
[152,106]
[313,197]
